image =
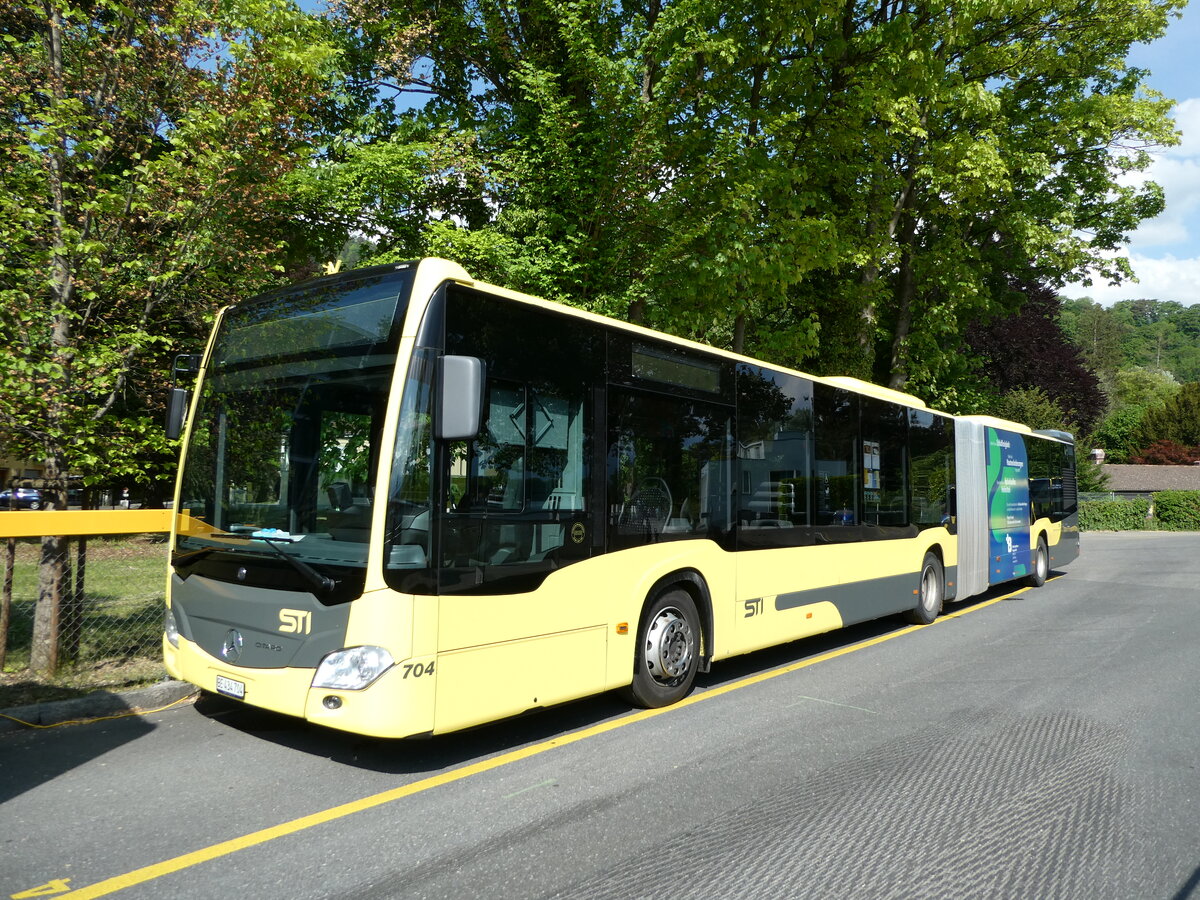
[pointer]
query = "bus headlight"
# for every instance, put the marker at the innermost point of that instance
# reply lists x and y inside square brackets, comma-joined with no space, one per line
[352,669]
[171,628]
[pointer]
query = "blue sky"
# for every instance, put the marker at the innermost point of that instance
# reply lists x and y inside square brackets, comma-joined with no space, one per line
[1165,251]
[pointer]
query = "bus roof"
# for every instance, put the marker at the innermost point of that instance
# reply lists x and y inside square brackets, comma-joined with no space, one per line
[443,270]
[999,423]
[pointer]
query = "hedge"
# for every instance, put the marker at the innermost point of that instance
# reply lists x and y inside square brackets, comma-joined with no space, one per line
[1113,515]
[1177,510]
[1166,511]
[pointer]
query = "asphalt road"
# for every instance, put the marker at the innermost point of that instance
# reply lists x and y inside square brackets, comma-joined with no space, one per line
[1043,744]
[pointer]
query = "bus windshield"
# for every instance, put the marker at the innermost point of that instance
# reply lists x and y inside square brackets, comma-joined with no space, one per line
[282,453]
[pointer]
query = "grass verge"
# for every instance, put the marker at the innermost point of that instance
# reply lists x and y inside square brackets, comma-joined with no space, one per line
[111,642]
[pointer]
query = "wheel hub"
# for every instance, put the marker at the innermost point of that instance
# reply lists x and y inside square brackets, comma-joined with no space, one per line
[668,646]
[929,590]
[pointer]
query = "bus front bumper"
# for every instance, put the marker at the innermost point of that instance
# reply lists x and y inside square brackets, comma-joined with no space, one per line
[395,705]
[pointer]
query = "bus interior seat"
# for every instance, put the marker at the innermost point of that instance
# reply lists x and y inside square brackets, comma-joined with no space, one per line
[563,498]
[339,495]
[349,518]
[650,506]
[682,523]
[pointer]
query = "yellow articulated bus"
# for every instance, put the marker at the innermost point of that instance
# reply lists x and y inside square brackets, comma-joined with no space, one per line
[418,503]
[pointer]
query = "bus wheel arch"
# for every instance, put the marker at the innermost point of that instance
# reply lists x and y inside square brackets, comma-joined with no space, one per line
[674,638]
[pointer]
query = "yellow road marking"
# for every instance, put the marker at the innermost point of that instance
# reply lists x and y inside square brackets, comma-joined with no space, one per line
[225,848]
[49,889]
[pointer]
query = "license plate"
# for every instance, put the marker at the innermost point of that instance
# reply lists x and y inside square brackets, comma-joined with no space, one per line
[231,688]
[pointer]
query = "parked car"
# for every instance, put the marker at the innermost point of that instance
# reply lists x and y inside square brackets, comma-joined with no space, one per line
[21,498]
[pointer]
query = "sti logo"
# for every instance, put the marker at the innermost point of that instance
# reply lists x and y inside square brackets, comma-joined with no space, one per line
[295,621]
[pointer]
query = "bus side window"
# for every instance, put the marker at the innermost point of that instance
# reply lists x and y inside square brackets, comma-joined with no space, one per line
[516,491]
[670,469]
[884,473]
[931,469]
[495,475]
[1052,486]
[837,463]
[775,449]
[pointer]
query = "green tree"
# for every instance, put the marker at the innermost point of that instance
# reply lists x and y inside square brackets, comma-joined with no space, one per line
[1031,350]
[1089,474]
[1097,333]
[140,148]
[1143,388]
[1032,407]
[1116,434]
[844,186]
[1178,420]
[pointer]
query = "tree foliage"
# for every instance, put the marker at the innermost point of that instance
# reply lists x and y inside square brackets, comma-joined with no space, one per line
[1030,350]
[1032,406]
[843,186]
[1165,452]
[1177,420]
[1160,336]
[140,149]
[1142,350]
[1116,433]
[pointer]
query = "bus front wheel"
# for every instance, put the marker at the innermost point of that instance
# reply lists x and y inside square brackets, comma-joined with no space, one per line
[931,592]
[668,651]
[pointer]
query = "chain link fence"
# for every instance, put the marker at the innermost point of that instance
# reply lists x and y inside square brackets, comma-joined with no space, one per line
[109,618]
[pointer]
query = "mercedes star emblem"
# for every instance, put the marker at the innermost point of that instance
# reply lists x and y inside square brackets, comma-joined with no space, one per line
[232,648]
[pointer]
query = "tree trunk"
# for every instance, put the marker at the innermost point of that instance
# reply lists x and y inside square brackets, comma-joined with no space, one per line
[53,569]
[53,577]
[77,588]
[10,562]
[905,292]
[739,333]
[44,653]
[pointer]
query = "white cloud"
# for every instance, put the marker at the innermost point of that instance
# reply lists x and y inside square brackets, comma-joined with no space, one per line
[1187,120]
[1177,170]
[1173,273]
[1161,278]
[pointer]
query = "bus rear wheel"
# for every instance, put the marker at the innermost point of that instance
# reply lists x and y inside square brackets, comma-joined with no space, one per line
[931,592]
[1041,563]
[668,651]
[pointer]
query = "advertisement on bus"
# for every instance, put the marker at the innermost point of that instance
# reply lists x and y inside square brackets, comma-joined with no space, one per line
[1008,506]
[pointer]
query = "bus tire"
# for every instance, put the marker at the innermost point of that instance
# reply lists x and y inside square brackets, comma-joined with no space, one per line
[931,592]
[1041,563]
[668,651]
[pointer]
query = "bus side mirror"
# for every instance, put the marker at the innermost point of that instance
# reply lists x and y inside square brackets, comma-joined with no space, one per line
[186,366]
[177,408]
[460,401]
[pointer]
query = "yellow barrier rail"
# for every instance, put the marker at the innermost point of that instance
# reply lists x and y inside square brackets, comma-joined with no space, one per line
[78,522]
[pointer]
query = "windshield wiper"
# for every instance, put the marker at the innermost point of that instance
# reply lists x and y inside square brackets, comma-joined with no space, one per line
[308,573]
[187,559]
[311,575]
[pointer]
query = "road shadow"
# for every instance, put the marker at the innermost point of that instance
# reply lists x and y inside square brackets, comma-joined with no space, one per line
[1189,887]
[33,756]
[437,753]
[18,691]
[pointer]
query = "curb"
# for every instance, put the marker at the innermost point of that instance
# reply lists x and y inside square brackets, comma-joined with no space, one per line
[95,705]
